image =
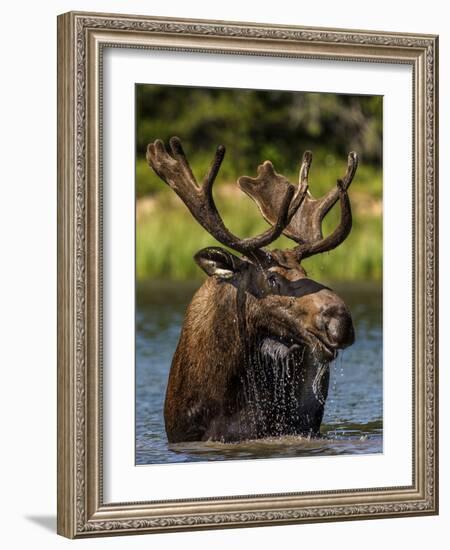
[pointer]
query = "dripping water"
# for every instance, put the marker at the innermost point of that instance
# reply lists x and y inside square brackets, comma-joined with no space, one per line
[276,381]
[334,402]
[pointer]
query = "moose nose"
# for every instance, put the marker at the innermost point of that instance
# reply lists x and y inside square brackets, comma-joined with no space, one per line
[337,322]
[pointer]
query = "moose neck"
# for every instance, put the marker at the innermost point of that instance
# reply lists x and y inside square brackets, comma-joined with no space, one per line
[212,331]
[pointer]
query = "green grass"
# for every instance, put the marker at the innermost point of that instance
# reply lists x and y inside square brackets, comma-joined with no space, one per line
[167,236]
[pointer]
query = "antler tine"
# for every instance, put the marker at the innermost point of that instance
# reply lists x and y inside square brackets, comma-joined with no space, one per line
[303,186]
[214,169]
[179,154]
[175,171]
[352,165]
[329,199]
[304,168]
[322,207]
[338,236]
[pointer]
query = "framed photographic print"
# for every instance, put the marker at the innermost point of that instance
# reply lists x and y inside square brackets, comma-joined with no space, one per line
[247,274]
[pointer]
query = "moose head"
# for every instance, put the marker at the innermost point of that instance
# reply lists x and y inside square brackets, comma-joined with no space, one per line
[252,360]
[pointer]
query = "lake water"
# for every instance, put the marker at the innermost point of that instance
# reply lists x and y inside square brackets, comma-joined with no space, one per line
[353,420]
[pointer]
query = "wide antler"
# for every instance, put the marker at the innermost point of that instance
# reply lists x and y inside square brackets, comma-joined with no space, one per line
[174,169]
[305,227]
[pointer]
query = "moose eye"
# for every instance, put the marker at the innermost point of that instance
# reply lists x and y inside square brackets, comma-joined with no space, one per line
[273,282]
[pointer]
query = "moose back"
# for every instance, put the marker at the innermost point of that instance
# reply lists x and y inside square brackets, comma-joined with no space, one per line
[253,357]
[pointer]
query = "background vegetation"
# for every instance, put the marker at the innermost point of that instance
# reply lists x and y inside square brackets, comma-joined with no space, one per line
[256,126]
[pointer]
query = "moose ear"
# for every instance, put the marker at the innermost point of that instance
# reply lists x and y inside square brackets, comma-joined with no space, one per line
[218,261]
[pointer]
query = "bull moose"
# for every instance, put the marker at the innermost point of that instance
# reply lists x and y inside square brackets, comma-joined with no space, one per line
[253,357]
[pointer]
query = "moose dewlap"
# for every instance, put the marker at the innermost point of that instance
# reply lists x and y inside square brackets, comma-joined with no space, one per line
[253,357]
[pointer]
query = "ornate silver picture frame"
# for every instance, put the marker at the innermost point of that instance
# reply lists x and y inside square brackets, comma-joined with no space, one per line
[82,40]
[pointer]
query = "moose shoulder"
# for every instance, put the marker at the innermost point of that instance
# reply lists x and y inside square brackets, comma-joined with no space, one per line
[258,336]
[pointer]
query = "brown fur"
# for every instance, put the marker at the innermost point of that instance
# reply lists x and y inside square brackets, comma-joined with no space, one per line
[205,397]
[205,361]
